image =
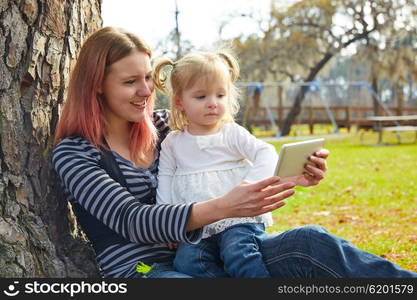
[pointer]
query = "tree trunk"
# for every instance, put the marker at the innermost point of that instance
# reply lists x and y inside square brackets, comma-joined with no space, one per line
[376,104]
[299,98]
[39,40]
[252,109]
[400,98]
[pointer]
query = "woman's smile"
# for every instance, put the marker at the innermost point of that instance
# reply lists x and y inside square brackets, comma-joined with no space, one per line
[139,104]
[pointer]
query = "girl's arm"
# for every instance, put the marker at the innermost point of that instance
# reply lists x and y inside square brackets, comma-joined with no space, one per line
[264,158]
[262,155]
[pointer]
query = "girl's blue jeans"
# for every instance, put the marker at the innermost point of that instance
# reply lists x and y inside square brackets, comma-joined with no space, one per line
[312,252]
[233,252]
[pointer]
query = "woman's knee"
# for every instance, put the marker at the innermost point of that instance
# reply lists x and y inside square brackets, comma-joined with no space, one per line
[313,229]
[295,238]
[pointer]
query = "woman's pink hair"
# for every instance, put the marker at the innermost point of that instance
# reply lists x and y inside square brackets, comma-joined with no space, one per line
[82,113]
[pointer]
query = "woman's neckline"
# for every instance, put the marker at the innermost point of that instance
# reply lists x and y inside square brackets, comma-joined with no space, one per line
[128,160]
[135,165]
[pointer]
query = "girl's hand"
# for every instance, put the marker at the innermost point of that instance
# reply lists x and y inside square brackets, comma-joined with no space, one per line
[313,173]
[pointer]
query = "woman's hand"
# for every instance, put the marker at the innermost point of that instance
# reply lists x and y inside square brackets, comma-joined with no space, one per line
[244,200]
[252,199]
[314,172]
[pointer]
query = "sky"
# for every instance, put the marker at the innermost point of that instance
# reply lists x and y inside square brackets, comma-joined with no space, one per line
[199,20]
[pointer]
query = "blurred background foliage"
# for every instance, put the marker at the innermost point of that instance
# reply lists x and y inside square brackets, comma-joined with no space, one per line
[332,41]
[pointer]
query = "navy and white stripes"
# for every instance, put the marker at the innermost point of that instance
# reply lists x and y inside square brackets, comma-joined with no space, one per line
[145,228]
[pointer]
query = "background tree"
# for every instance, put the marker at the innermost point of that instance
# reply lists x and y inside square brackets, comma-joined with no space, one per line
[391,65]
[39,40]
[301,39]
[397,65]
[174,46]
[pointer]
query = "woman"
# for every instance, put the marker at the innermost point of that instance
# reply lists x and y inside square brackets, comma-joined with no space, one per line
[108,141]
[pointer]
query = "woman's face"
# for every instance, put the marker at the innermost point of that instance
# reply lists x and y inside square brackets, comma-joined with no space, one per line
[127,88]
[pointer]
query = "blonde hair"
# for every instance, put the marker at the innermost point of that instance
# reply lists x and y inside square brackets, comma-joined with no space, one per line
[175,77]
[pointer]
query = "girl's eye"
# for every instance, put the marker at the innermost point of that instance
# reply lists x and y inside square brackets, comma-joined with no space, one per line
[200,97]
[132,81]
[220,95]
[148,77]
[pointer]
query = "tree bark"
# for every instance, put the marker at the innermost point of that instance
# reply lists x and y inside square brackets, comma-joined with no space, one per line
[39,40]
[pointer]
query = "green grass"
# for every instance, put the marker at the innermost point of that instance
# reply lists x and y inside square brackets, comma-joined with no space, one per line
[369,197]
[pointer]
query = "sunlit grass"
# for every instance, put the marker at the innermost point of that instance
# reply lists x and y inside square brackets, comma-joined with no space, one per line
[369,197]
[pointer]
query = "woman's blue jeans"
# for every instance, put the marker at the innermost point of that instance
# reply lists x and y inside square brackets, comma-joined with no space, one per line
[312,252]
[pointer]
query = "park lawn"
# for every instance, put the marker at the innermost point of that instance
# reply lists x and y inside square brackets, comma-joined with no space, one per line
[369,197]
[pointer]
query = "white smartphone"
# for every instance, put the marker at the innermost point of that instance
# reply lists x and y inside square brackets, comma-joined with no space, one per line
[294,156]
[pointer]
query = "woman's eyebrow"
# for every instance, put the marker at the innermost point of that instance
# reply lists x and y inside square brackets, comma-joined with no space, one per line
[131,75]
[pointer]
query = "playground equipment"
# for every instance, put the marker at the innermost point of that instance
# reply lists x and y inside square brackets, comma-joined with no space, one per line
[341,105]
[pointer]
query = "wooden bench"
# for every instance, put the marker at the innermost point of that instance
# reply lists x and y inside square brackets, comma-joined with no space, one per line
[399,129]
[381,126]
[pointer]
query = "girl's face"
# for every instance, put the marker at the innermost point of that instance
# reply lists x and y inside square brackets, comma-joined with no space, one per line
[204,105]
[127,88]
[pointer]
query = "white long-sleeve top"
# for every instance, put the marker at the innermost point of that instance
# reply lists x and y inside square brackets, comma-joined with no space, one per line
[194,168]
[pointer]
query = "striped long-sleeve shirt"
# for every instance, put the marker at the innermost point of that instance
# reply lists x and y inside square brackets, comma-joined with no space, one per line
[144,229]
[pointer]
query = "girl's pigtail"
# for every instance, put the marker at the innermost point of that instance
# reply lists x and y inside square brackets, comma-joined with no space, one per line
[234,70]
[232,64]
[160,74]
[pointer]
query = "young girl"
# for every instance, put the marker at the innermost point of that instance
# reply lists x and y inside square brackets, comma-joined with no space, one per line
[205,157]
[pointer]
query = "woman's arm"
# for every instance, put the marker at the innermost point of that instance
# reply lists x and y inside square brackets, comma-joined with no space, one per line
[245,200]
[76,163]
